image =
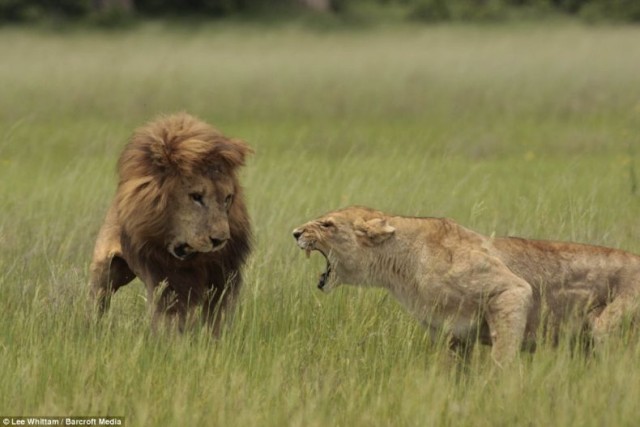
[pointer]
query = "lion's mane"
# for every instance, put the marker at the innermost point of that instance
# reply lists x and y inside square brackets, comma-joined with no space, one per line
[156,157]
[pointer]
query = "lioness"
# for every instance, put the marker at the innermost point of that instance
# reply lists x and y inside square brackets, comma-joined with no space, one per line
[472,286]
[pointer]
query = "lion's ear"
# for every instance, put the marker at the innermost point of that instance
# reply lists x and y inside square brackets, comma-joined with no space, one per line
[374,231]
[232,152]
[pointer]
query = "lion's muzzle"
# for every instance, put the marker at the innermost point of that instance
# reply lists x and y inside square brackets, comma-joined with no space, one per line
[182,251]
[218,243]
[185,251]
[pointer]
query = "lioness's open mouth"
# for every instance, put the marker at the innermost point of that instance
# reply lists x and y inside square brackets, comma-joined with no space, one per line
[322,281]
[324,276]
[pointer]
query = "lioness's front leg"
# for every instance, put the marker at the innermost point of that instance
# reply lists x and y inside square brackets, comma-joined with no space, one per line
[506,315]
[460,350]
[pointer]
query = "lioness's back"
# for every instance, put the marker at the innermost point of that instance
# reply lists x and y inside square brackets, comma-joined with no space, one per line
[553,264]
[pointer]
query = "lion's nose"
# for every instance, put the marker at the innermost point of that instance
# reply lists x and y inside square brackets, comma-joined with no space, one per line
[297,233]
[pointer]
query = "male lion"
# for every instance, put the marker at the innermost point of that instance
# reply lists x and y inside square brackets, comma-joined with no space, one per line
[496,290]
[178,221]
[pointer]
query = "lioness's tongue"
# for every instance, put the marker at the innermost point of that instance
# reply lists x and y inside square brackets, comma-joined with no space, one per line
[323,279]
[307,251]
[324,276]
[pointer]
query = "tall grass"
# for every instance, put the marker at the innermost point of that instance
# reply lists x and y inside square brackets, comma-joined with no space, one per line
[526,130]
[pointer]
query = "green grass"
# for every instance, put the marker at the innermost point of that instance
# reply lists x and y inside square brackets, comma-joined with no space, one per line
[527,130]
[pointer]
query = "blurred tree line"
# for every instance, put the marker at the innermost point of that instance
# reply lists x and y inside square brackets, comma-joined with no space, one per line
[443,10]
[421,10]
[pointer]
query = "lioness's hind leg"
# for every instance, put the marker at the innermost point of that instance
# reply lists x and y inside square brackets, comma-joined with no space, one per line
[625,306]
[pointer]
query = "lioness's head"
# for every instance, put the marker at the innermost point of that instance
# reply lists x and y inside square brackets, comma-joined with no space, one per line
[346,238]
[178,186]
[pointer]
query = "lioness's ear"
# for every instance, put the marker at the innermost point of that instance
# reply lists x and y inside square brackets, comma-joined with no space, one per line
[374,231]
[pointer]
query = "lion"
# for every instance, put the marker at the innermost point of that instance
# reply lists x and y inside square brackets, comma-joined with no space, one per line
[178,222]
[501,292]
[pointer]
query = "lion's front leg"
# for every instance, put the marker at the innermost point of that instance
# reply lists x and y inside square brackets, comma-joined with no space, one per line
[109,270]
[107,275]
[506,315]
[169,310]
[219,304]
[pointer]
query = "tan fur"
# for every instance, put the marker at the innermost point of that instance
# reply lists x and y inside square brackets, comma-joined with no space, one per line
[501,291]
[178,221]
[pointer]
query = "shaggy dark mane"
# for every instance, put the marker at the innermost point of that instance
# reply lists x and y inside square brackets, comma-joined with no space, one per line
[162,152]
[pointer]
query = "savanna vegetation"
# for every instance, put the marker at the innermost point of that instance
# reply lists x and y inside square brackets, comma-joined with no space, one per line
[119,12]
[529,130]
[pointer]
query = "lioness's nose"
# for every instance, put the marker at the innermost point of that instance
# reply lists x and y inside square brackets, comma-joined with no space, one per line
[297,233]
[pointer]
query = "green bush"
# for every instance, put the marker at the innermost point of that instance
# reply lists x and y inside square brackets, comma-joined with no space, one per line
[467,10]
[482,10]
[421,10]
[613,10]
[29,10]
[431,11]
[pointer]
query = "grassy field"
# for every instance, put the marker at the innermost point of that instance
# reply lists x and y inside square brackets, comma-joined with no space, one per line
[526,130]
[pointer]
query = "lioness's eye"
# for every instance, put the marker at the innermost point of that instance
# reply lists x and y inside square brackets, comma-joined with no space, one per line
[228,200]
[196,197]
[326,224]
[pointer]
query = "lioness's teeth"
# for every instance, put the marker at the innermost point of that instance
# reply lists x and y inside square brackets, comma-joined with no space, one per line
[308,252]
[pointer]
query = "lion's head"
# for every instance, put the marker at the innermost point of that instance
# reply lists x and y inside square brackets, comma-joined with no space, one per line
[346,238]
[178,188]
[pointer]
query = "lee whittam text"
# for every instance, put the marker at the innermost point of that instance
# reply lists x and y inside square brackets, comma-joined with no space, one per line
[62,421]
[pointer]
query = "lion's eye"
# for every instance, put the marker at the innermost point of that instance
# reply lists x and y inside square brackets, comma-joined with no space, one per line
[228,200]
[197,197]
[326,224]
